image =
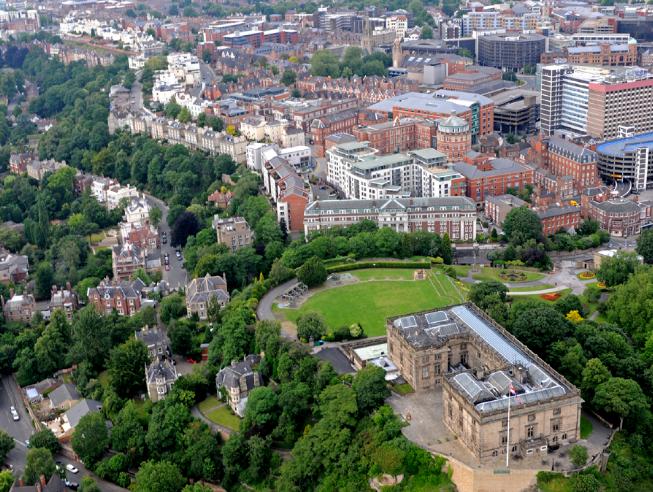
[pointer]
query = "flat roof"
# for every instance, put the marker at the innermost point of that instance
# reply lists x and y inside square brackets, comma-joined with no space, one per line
[622,146]
[372,351]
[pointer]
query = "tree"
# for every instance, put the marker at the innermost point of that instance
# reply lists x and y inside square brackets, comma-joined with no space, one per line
[578,455]
[45,439]
[645,245]
[184,115]
[621,397]
[155,216]
[615,270]
[126,363]
[197,487]
[6,444]
[161,476]
[522,224]
[6,480]
[389,458]
[480,293]
[289,77]
[310,326]
[313,272]
[128,432]
[43,280]
[90,438]
[172,109]
[172,307]
[371,388]
[39,462]
[325,64]
[540,327]
[185,225]
[91,338]
[181,338]
[427,33]
[261,412]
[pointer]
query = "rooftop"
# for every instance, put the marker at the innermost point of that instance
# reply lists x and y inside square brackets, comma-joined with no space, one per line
[439,204]
[622,146]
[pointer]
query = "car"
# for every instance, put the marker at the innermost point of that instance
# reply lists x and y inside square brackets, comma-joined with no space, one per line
[164,240]
[27,443]
[167,267]
[71,468]
[191,361]
[71,485]
[178,255]
[14,413]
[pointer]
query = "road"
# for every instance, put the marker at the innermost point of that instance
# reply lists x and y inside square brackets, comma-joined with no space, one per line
[177,276]
[264,309]
[22,429]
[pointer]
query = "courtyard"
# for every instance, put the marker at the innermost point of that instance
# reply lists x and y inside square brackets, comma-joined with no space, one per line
[370,296]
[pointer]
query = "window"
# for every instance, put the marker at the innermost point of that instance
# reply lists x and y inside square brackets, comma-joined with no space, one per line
[514,449]
[425,372]
[495,453]
[504,439]
[530,431]
[437,369]
[564,436]
[504,423]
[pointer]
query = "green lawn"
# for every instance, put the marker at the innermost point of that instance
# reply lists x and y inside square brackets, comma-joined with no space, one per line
[224,416]
[370,303]
[489,273]
[537,296]
[403,389]
[585,427]
[383,274]
[209,403]
[530,288]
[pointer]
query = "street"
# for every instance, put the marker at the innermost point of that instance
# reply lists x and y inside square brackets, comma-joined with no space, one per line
[176,276]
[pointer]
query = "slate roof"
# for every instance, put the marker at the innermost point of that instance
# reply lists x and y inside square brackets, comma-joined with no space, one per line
[82,408]
[129,289]
[442,203]
[202,289]
[499,167]
[64,393]
[55,484]
[232,375]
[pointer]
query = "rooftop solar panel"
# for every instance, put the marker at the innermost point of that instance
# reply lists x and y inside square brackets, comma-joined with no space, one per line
[436,317]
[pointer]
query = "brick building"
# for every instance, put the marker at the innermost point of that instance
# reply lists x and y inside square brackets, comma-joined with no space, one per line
[555,219]
[477,363]
[399,135]
[565,158]
[620,217]
[493,177]
[123,296]
[454,138]
[343,122]
[497,207]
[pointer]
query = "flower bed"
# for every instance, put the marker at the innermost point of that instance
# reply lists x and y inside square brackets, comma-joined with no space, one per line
[586,275]
[512,276]
[553,296]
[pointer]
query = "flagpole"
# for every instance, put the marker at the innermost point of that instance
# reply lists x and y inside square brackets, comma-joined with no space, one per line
[508,435]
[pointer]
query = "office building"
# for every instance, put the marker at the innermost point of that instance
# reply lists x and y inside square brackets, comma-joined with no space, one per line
[509,51]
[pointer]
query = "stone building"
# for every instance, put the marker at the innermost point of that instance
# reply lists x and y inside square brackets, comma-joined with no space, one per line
[481,369]
[201,291]
[235,382]
[233,232]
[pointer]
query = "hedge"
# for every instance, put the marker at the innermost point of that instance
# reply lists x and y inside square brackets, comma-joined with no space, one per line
[379,264]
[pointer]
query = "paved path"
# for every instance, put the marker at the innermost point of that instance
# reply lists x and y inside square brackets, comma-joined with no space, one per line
[264,309]
[538,292]
[195,412]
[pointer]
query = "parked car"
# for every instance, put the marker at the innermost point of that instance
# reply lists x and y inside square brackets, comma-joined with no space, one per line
[71,485]
[71,468]
[14,413]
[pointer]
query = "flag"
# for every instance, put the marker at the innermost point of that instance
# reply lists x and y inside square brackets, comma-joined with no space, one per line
[513,392]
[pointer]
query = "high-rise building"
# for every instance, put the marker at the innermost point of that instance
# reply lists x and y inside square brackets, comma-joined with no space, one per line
[615,97]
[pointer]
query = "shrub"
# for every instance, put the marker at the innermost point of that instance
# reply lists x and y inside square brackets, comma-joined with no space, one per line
[578,455]
[379,264]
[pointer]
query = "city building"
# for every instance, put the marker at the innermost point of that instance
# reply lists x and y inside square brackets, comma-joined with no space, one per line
[201,292]
[473,78]
[126,260]
[516,111]
[64,299]
[493,177]
[455,216]
[154,339]
[356,170]
[566,158]
[510,51]
[233,232]
[13,268]
[620,217]
[453,138]
[478,110]
[498,207]
[235,382]
[617,98]
[256,38]
[482,370]
[399,135]
[555,219]
[19,307]
[160,376]
[125,297]
[627,159]
[137,211]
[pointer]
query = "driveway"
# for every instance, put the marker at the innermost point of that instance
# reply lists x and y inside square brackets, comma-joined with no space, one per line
[177,277]
[264,309]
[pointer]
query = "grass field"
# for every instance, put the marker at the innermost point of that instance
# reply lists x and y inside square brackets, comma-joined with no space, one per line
[218,412]
[529,288]
[371,301]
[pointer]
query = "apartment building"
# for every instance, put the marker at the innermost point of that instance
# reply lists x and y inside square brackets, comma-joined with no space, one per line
[454,137]
[399,135]
[620,217]
[510,51]
[233,232]
[19,307]
[478,364]
[356,169]
[566,158]
[455,216]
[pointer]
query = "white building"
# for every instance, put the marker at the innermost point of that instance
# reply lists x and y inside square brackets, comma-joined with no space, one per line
[137,211]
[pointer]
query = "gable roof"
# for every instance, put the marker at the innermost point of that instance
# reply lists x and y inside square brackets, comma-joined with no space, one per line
[82,408]
[63,393]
